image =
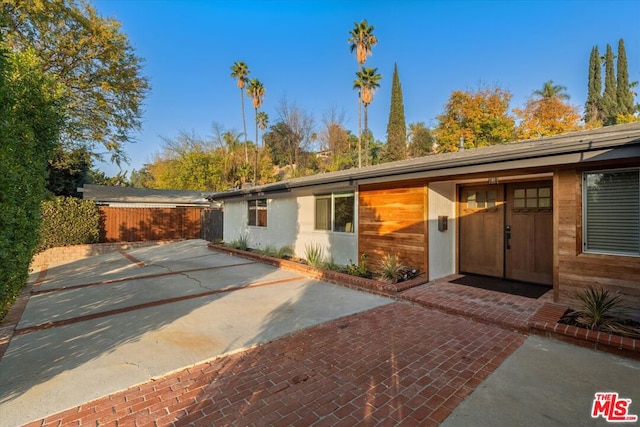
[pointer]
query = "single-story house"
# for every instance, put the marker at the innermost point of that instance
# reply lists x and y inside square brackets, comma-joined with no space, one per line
[137,214]
[130,197]
[561,211]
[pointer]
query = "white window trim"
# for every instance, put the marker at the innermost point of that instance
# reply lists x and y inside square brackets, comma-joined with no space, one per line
[333,197]
[257,208]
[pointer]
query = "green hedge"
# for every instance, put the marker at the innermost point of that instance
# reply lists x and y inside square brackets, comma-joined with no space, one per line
[68,221]
[30,120]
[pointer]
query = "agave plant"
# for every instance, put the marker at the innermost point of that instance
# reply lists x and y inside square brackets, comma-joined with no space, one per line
[599,308]
[390,268]
[314,254]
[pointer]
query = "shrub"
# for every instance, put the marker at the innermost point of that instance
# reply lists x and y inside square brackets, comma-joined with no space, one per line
[285,252]
[359,270]
[241,243]
[390,269]
[68,221]
[603,311]
[330,264]
[314,254]
[598,307]
[30,121]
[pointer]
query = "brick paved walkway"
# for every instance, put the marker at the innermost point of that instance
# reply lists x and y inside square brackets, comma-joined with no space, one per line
[505,310]
[396,364]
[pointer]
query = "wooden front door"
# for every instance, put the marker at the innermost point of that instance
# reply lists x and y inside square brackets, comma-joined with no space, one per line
[481,224]
[509,237]
[529,232]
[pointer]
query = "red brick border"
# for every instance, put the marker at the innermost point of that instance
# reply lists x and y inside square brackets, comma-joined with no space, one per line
[545,322]
[334,277]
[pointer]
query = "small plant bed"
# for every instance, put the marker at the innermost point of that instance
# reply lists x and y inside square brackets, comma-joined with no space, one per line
[390,274]
[603,311]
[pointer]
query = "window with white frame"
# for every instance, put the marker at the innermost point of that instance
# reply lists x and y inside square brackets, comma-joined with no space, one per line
[257,212]
[335,212]
[611,211]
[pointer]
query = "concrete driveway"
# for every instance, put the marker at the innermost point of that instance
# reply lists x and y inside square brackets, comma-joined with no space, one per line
[102,324]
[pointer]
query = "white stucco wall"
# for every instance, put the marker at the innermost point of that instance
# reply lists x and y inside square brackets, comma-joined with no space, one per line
[442,244]
[290,222]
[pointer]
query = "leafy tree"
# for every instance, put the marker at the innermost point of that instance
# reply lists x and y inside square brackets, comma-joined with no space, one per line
[361,41]
[302,126]
[282,143]
[335,139]
[420,140]
[141,178]
[187,163]
[478,118]
[367,82]
[97,177]
[240,71]
[546,113]
[624,96]
[92,60]
[30,122]
[396,126]
[609,97]
[68,170]
[593,105]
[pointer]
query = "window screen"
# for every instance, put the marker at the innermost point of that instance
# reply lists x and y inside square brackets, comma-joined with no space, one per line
[612,212]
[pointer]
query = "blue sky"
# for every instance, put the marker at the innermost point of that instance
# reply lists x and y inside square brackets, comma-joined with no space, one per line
[299,50]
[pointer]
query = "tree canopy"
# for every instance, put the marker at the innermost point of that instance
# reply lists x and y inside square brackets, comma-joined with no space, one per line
[547,112]
[94,64]
[478,117]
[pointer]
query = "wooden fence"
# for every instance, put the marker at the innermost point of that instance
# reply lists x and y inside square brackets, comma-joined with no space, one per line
[142,224]
[211,225]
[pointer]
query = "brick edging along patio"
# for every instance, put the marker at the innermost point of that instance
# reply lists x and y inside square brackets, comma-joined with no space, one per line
[543,322]
[331,276]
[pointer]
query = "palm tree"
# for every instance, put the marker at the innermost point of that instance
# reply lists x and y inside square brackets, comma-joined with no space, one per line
[232,142]
[263,121]
[240,71]
[256,91]
[367,82]
[361,41]
[549,90]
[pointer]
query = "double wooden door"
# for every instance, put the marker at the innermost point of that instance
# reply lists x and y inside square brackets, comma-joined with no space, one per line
[507,231]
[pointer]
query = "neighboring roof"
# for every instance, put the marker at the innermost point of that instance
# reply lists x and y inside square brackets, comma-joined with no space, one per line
[111,194]
[551,149]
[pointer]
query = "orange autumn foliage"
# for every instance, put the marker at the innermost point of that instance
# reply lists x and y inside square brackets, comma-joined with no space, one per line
[546,117]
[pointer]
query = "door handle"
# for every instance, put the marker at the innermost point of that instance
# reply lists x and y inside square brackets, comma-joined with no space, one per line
[507,233]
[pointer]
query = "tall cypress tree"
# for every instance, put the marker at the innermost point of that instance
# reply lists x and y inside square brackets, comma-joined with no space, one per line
[624,97]
[609,98]
[396,127]
[594,91]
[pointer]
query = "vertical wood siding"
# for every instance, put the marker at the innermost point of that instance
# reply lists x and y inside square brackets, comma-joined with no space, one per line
[392,221]
[141,224]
